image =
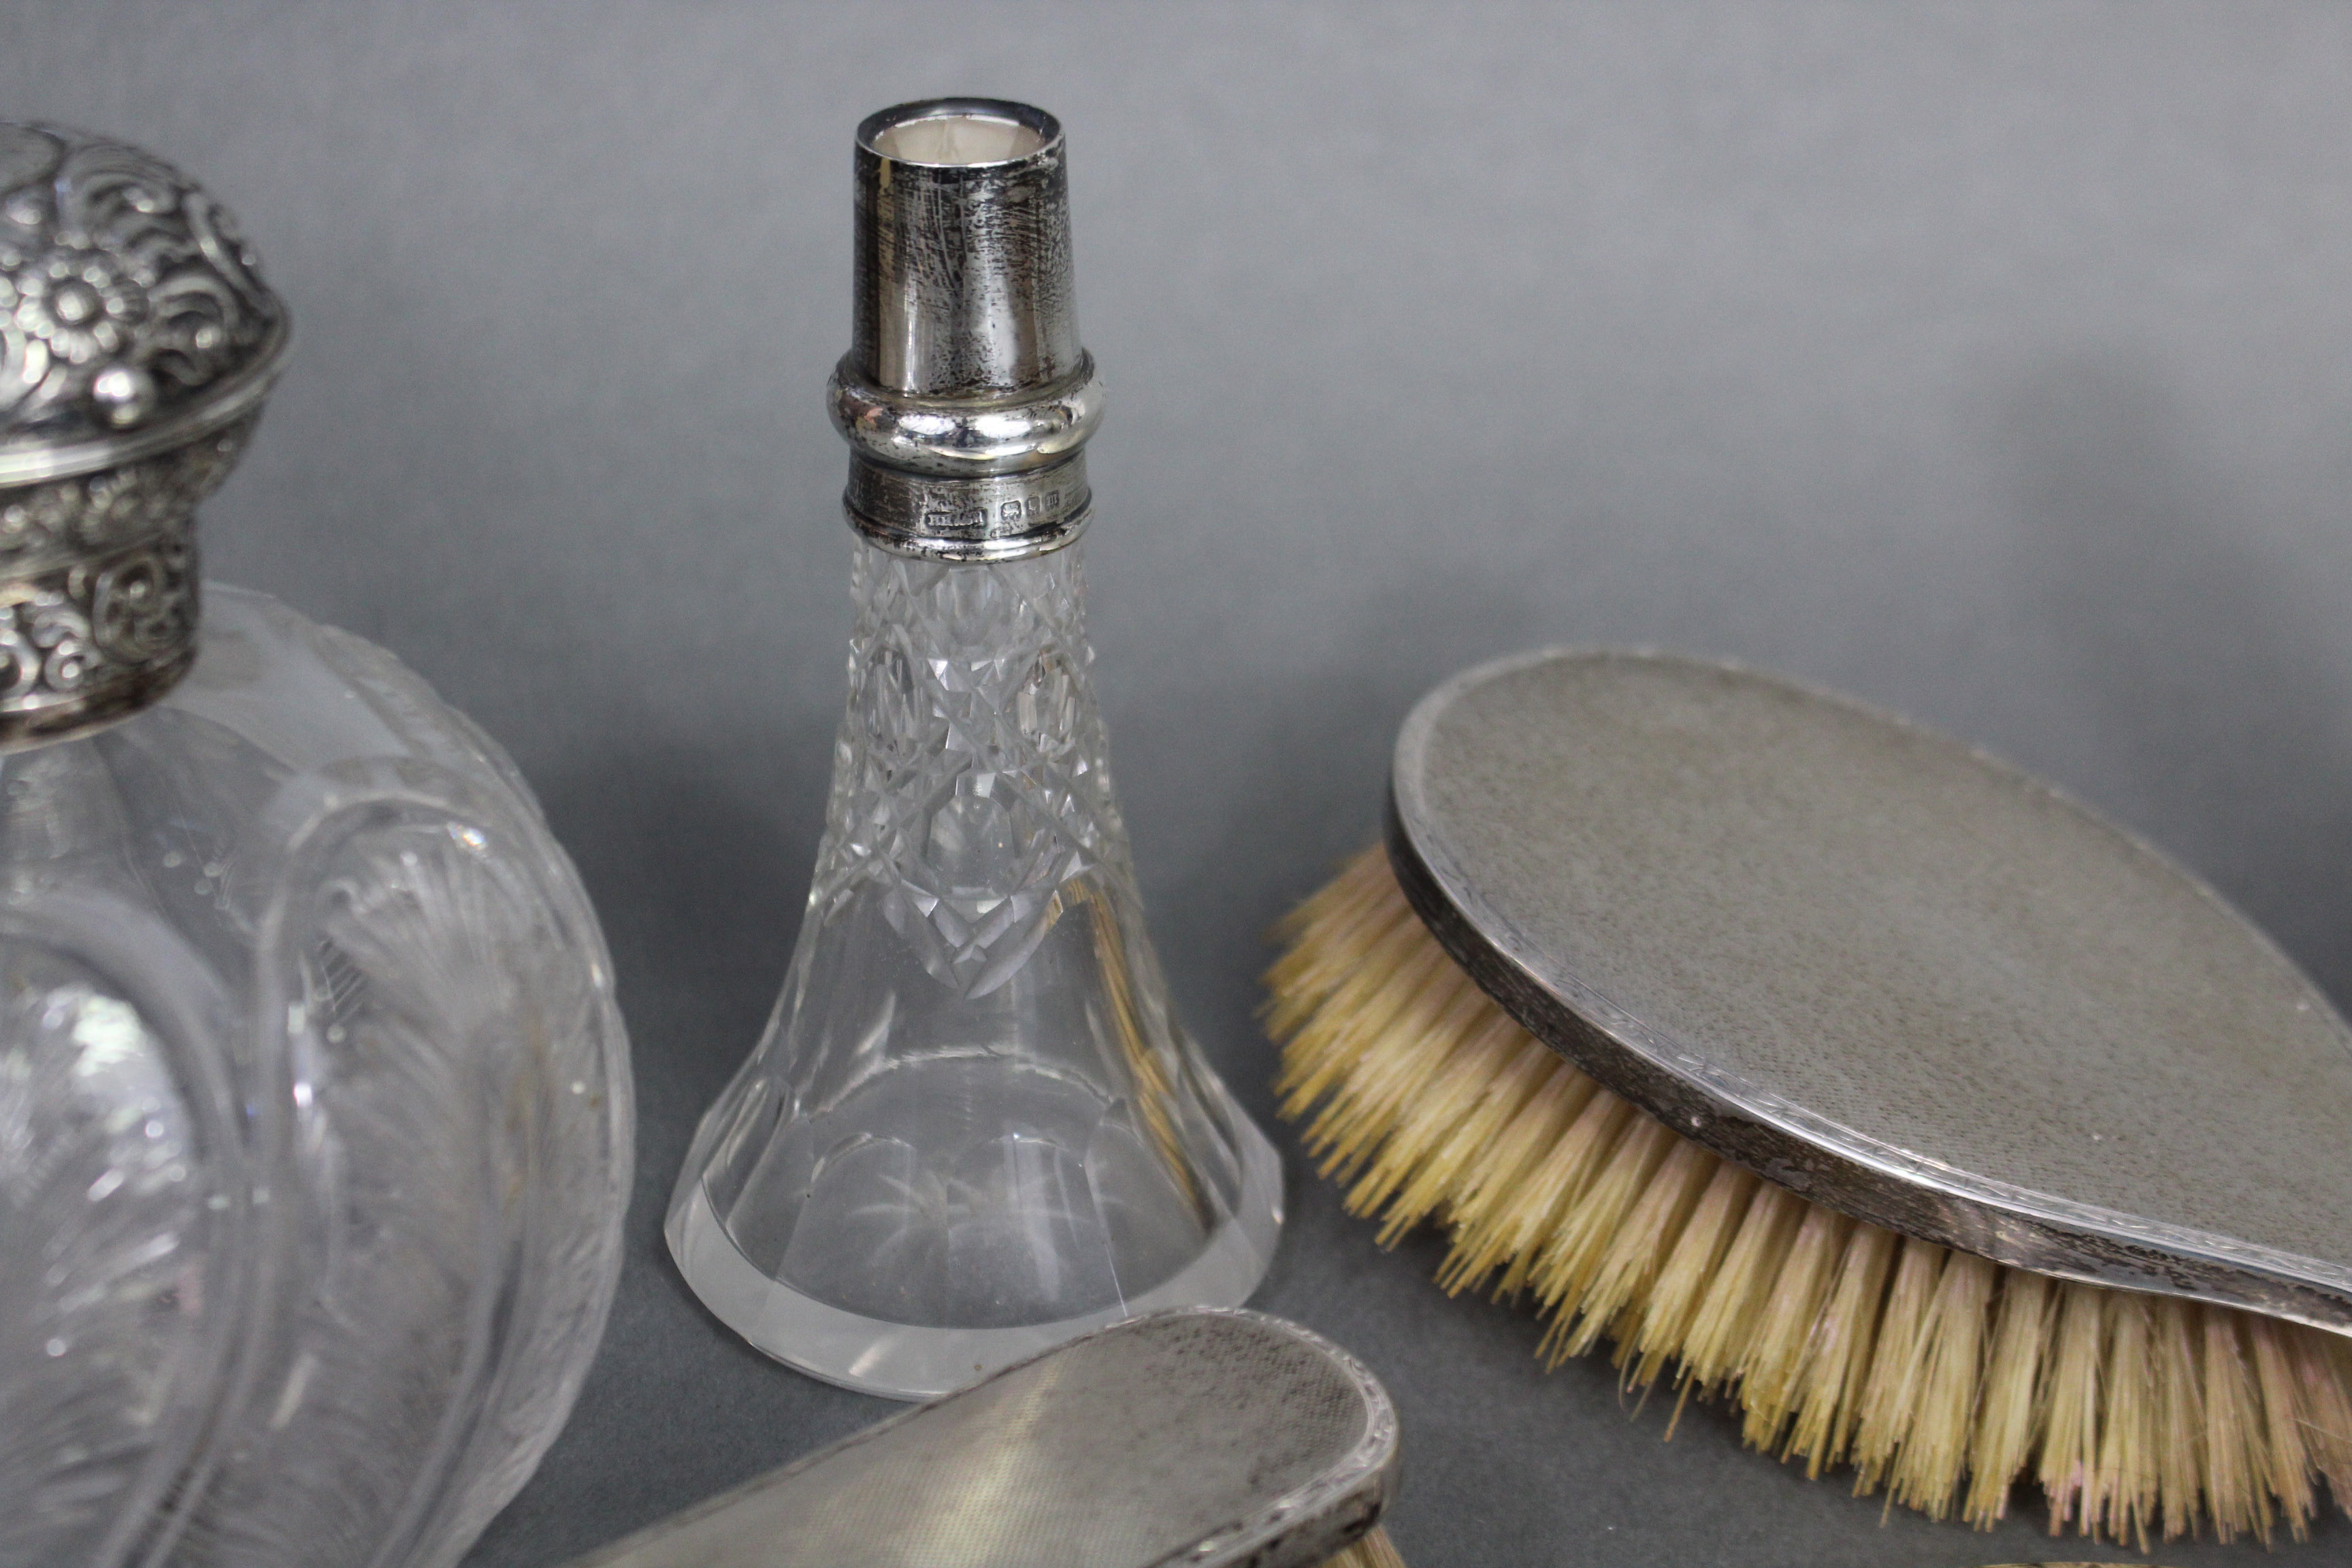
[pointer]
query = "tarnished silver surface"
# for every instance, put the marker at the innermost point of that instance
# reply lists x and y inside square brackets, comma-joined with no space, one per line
[1212,1438]
[1887,971]
[137,342]
[965,397]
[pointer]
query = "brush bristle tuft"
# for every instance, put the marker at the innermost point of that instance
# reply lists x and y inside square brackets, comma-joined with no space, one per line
[1372,1551]
[1937,1375]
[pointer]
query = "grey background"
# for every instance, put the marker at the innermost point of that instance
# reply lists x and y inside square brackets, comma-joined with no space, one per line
[1992,363]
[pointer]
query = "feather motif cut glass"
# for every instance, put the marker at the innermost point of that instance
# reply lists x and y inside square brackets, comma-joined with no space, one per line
[314,1105]
[314,1120]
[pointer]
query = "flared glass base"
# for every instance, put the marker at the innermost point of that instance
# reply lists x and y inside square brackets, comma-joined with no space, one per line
[973,1127]
[905,1360]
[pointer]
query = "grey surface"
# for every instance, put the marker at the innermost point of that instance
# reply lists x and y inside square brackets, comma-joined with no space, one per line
[1990,362]
[1893,974]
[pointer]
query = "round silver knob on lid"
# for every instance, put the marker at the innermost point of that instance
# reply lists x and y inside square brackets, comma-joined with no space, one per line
[137,342]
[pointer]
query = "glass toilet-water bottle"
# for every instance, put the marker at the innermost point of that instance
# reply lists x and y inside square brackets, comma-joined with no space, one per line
[314,1106]
[973,1127]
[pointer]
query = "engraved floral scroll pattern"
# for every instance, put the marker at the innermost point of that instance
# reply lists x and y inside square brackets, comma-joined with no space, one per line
[98,583]
[62,636]
[124,289]
[68,520]
[131,318]
[970,781]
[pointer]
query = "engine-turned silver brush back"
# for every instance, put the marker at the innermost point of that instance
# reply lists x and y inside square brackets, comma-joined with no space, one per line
[1211,1439]
[965,397]
[1886,972]
[137,342]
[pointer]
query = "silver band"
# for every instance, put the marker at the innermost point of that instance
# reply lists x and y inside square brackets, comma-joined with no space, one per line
[995,517]
[959,439]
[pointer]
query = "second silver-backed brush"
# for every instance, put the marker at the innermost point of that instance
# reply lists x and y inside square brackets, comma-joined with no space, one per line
[1190,1439]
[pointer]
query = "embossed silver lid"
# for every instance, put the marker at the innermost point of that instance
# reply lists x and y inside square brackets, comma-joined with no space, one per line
[965,397]
[137,343]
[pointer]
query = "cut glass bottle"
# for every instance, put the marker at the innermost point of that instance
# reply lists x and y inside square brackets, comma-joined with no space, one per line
[314,1106]
[973,1127]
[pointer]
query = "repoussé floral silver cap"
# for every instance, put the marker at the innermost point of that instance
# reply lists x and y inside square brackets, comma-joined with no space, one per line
[137,343]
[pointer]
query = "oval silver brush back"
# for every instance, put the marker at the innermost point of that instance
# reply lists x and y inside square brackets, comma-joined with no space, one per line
[1206,1438]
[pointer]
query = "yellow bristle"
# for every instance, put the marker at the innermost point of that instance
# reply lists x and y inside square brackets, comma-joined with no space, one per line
[1556,1180]
[2004,1435]
[1459,1163]
[2069,1408]
[2128,1495]
[1498,1218]
[1934,1455]
[1890,1389]
[2323,1375]
[1727,1319]
[2287,1457]
[1682,1285]
[2180,1414]
[1373,1551]
[1361,1013]
[2237,1460]
[1571,1257]
[1775,1358]
[1620,1284]
[1324,939]
[1837,1360]
[1380,1081]
[1473,1054]
[1941,1375]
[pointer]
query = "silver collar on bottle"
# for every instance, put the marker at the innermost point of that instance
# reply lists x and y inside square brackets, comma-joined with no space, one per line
[137,343]
[965,397]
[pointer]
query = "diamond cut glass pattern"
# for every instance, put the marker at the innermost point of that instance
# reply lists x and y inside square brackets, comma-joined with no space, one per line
[972,1128]
[971,786]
